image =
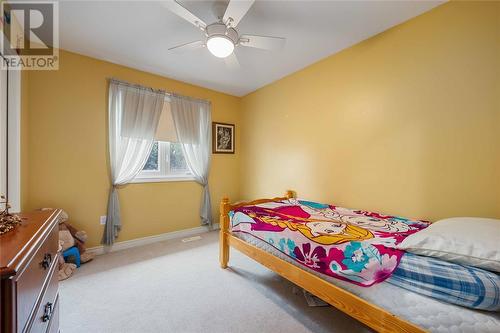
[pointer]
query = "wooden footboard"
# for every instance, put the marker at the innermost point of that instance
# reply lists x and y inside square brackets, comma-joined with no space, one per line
[367,313]
[224,236]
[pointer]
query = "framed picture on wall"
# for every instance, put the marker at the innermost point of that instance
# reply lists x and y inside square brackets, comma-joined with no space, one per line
[222,138]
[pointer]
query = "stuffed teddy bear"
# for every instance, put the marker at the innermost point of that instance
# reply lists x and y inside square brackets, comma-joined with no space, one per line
[65,269]
[71,247]
[78,239]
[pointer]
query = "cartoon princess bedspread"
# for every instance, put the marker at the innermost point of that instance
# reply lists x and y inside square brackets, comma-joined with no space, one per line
[352,245]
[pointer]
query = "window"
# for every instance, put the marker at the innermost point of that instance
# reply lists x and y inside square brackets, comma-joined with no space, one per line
[166,162]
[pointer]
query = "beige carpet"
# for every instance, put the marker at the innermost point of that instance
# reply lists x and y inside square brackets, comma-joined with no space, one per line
[178,287]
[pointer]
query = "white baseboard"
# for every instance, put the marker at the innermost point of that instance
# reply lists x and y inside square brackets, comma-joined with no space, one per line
[98,250]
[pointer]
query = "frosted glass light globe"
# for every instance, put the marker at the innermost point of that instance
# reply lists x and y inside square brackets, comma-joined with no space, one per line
[220,46]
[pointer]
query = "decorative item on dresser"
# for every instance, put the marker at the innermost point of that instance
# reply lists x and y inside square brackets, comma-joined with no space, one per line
[28,270]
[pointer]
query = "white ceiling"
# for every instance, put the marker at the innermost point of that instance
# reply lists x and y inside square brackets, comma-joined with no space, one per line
[138,34]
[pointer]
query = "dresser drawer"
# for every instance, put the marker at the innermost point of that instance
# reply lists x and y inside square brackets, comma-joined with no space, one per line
[46,307]
[31,280]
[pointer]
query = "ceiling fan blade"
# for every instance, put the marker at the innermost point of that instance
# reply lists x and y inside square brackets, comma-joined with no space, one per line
[232,61]
[235,11]
[187,46]
[262,42]
[179,10]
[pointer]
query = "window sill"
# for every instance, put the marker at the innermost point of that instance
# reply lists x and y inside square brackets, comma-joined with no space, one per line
[163,179]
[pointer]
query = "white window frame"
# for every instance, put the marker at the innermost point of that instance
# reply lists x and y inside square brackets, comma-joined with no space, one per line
[164,173]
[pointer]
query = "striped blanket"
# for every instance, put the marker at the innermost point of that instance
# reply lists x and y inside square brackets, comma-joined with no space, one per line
[462,285]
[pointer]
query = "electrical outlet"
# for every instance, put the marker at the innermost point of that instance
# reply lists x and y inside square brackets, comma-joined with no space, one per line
[102,219]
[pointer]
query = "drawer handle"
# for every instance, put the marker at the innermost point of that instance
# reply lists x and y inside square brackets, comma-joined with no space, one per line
[47,312]
[47,259]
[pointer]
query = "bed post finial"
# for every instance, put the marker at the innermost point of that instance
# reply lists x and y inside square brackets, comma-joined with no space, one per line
[290,194]
[224,229]
[224,202]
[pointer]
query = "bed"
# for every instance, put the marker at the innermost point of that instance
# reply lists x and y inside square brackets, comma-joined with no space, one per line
[382,306]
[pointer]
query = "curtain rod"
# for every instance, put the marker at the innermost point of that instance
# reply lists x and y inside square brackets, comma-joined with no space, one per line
[166,93]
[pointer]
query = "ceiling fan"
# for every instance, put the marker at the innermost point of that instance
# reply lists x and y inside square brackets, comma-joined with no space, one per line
[221,37]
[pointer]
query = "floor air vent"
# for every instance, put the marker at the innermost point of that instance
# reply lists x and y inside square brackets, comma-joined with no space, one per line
[191,239]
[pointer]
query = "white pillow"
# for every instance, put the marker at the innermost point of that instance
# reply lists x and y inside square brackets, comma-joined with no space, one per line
[471,241]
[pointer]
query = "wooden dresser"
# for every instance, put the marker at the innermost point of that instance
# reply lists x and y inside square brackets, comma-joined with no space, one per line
[28,268]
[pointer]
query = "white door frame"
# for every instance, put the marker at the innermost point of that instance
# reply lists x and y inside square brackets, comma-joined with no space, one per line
[13,127]
[3,130]
[14,132]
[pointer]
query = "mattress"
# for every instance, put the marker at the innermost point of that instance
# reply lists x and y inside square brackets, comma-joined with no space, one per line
[425,312]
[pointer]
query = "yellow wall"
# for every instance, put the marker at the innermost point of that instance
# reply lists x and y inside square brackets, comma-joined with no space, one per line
[66,130]
[406,122]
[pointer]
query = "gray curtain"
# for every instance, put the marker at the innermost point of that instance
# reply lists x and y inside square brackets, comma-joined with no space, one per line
[134,113]
[193,125]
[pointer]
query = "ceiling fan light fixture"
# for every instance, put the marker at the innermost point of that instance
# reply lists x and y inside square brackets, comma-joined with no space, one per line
[220,46]
[221,37]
